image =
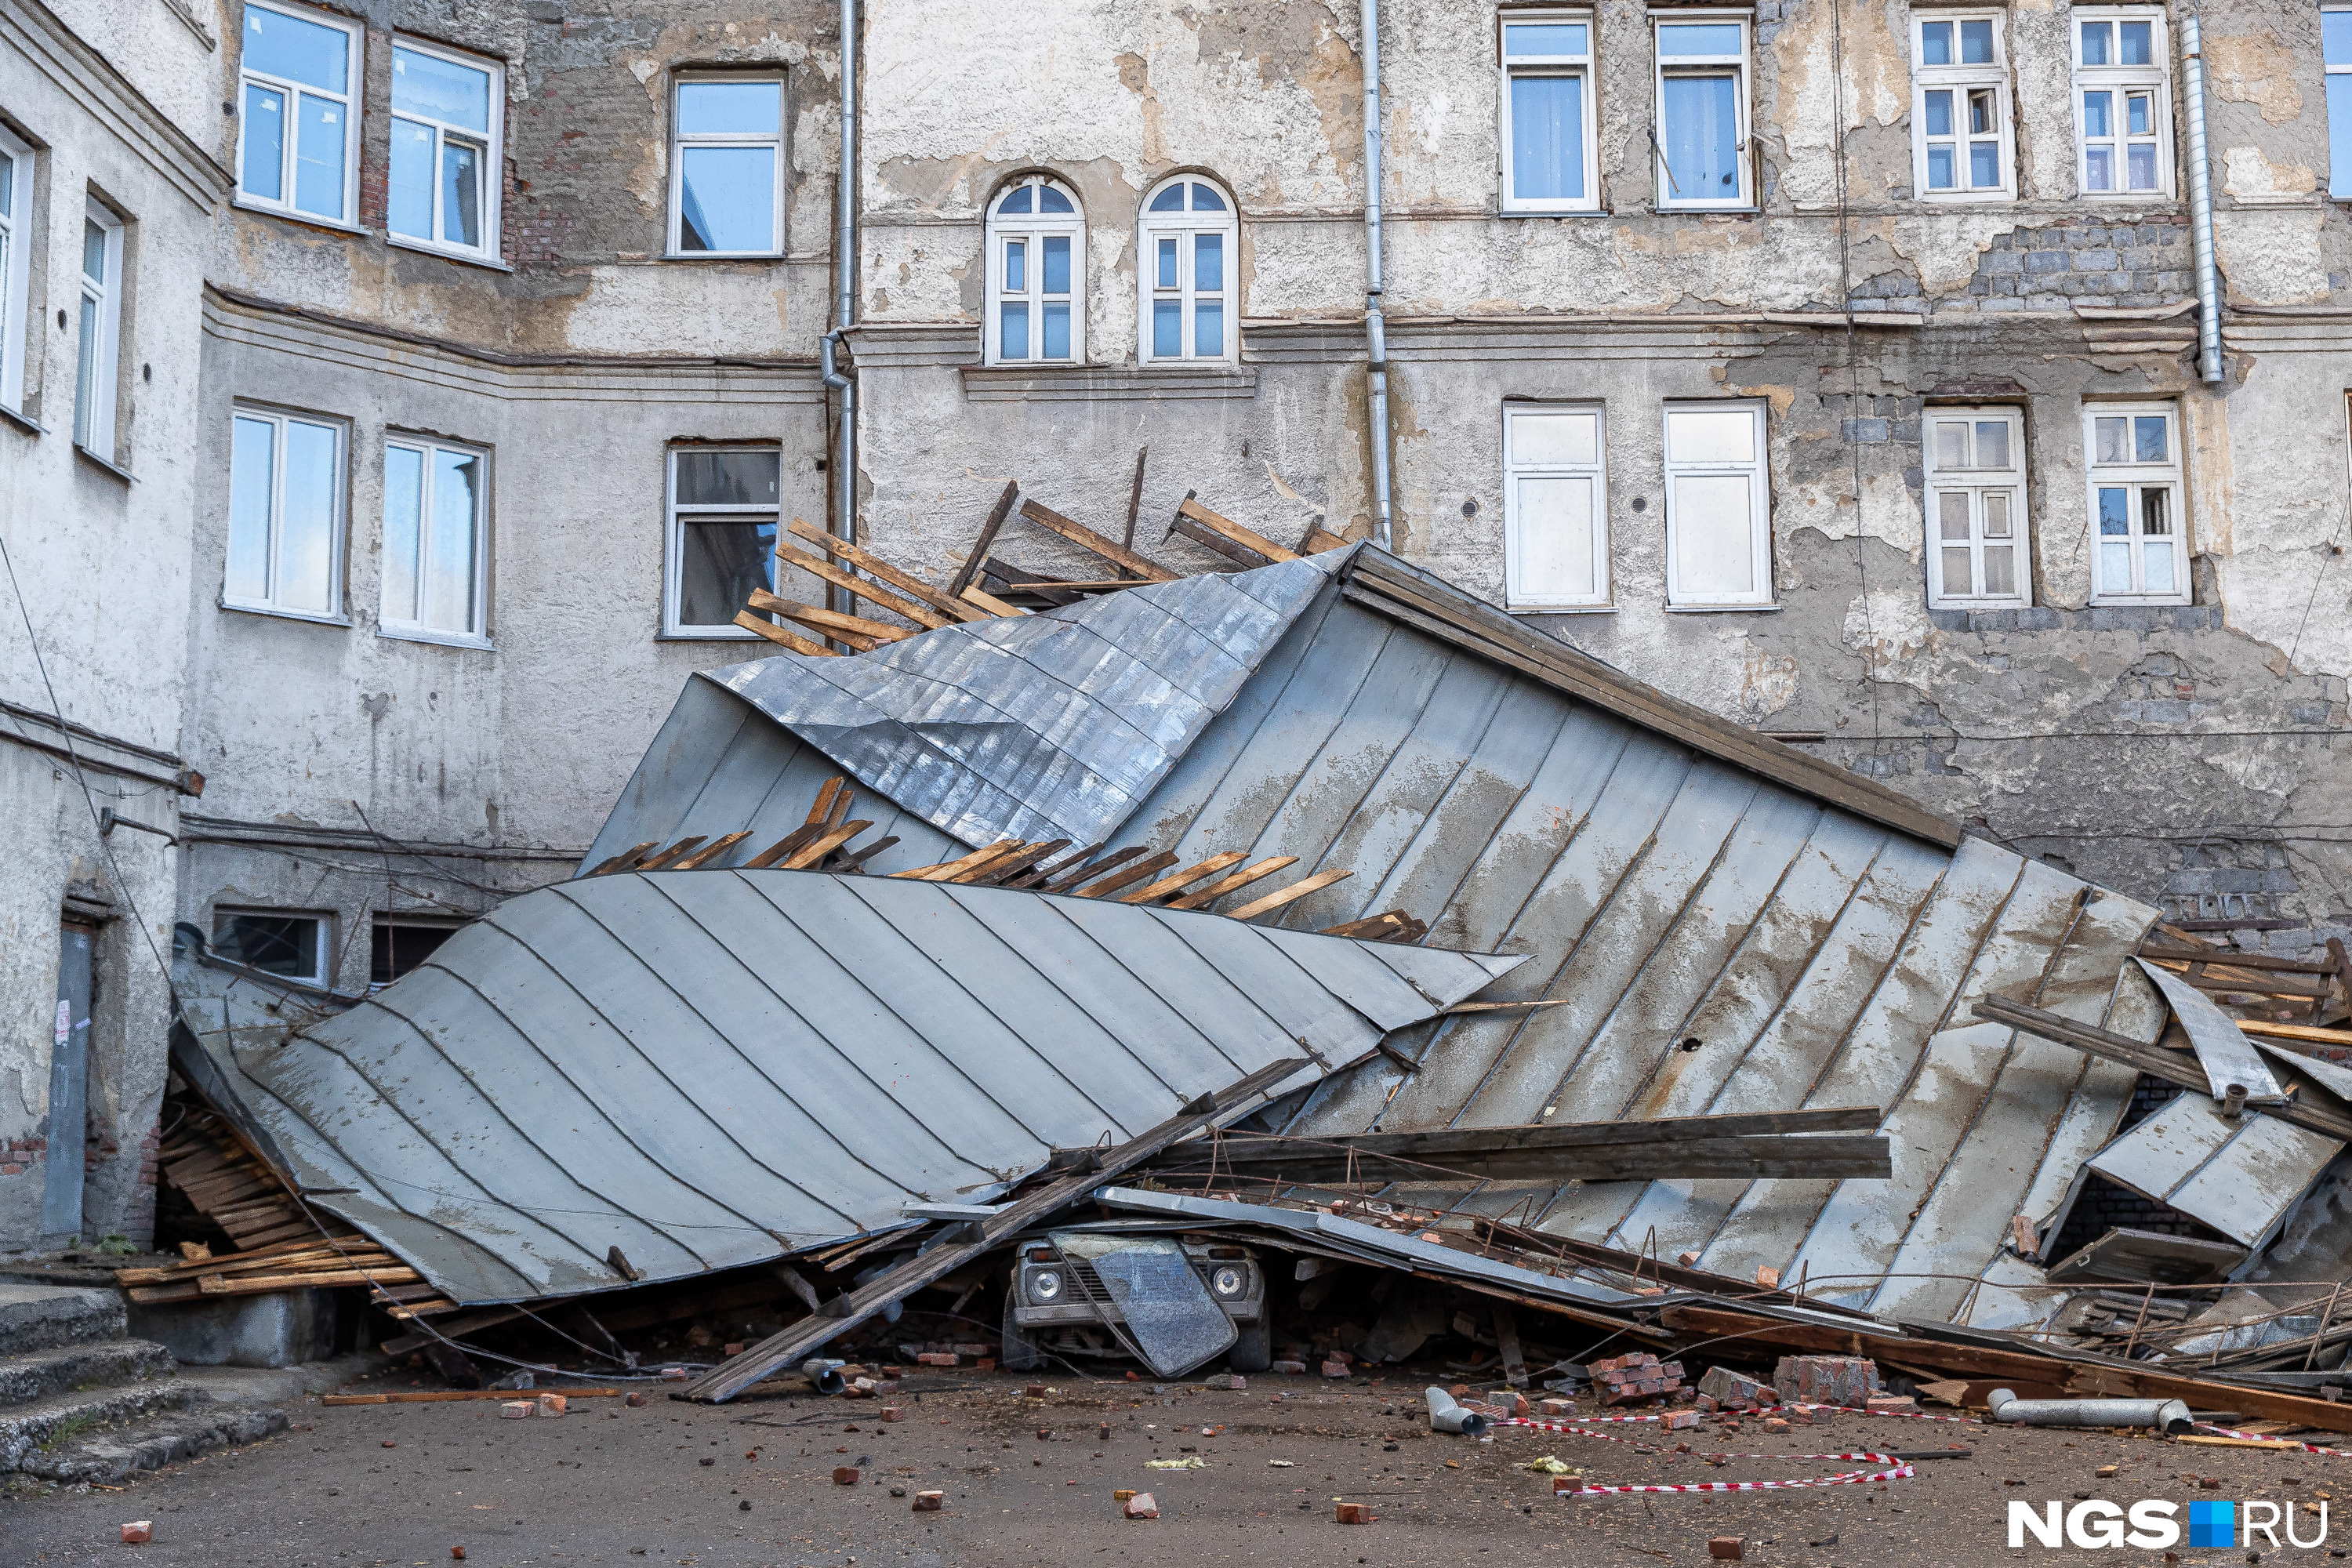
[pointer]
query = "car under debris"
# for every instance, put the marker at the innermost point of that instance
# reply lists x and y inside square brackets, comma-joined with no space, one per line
[1169,1300]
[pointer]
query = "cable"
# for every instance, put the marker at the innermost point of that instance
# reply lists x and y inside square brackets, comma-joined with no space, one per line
[1852,364]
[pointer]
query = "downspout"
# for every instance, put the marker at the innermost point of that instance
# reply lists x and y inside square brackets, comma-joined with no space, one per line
[1376,338]
[844,269]
[2200,210]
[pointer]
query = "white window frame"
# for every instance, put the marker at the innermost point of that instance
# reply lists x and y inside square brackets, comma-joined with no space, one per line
[2340,170]
[493,142]
[478,635]
[16,270]
[2118,81]
[1961,80]
[1518,593]
[1034,227]
[1180,227]
[1511,67]
[674,541]
[2135,478]
[97,372]
[336,522]
[1974,484]
[1741,64]
[317,979]
[1759,503]
[354,57]
[679,142]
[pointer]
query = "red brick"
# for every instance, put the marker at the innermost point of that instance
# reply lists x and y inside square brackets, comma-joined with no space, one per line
[1357,1514]
[847,1475]
[139,1532]
[1727,1548]
[1142,1505]
[930,1502]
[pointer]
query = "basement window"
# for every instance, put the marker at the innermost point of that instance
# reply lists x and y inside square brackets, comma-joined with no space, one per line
[297,142]
[1718,509]
[435,542]
[1190,246]
[1960,108]
[2335,51]
[721,538]
[727,166]
[285,515]
[1555,508]
[291,946]
[1036,275]
[2133,452]
[1701,141]
[1549,132]
[1977,556]
[398,944]
[2122,109]
[447,111]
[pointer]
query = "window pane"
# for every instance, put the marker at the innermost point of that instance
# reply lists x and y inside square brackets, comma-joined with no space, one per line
[449,582]
[2147,438]
[1980,114]
[1167,275]
[725,478]
[1713,549]
[1984,165]
[294,49]
[274,943]
[306,548]
[2097,37]
[1555,438]
[1992,443]
[7,189]
[2115,568]
[1548,138]
[1056,257]
[1952,516]
[2142,166]
[1699,38]
[93,250]
[1016,267]
[1711,435]
[727,198]
[1166,329]
[1205,199]
[251,463]
[1939,168]
[1057,332]
[86,375]
[1555,537]
[1544,39]
[2115,514]
[1939,113]
[2339,129]
[264,174]
[1702,136]
[319,158]
[461,194]
[2099,169]
[1976,43]
[1013,335]
[440,90]
[2155,518]
[1958,572]
[2156,567]
[719,564]
[404,496]
[2335,36]
[395,949]
[2001,571]
[2094,113]
[2139,114]
[1995,514]
[1209,329]
[1209,262]
[1050,200]
[2139,43]
[729,107]
[1017,200]
[2109,436]
[1171,200]
[1935,43]
[410,203]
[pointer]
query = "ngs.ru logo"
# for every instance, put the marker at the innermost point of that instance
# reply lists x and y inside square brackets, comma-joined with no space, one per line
[2152,1524]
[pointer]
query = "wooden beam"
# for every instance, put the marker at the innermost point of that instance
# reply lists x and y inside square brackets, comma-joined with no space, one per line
[776,634]
[1096,586]
[851,629]
[867,560]
[1086,538]
[996,515]
[1319,538]
[2282,1031]
[992,603]
[1297,891]
[1184,878]
[1246,538]
[922,615]
[2229,958]
[822,845]
[1234,883]
[1209,538]
[1135,497]
[895,1284]
[1864,1156]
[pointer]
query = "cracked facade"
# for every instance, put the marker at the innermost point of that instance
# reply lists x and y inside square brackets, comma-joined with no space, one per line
[2183,743]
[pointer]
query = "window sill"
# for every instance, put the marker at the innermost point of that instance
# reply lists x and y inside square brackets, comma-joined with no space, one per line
[1980,607]
[302,219]
[1512,609]
[1767,609]
[2148,602]
[1965,198]
[25,423]
[442,639]
[1678,211]
[721,256]
[94,461]
[1553,212]
[274,614]
[710,633]
[468,258]
[1165,382]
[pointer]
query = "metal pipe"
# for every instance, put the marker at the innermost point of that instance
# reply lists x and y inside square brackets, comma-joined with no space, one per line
[2200,209]
[1376,338]
[845,304]
[2169,1417]
[1444,1416]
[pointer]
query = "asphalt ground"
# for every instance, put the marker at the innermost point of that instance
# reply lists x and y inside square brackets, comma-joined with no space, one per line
[751,1482]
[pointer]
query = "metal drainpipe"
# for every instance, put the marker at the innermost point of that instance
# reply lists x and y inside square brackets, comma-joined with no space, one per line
[1376,338]
[2200,209]
[844,266]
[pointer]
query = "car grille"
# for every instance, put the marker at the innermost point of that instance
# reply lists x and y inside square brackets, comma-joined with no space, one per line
[1086,1283]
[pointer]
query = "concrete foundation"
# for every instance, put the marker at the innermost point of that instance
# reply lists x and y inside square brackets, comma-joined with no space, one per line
[286,1328]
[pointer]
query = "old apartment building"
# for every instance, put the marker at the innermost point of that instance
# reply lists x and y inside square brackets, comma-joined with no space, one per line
[399,401]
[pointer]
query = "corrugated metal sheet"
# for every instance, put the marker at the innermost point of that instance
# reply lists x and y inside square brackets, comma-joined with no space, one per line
[2223,1049]
[2239,1177]
[708,1069]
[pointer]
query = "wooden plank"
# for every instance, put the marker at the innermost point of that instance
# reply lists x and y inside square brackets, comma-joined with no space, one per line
[1091,870]
[1135,497]
[992,603]
[2230,958]
[711,851]
[1507,1341]
[821,812]
[1209,538]
[1086,538]
[1319,539]
[1247,539]
[895,1284]
[849,628]
[1865,1156]
[1045,873]
[676,851]
[448,1396]
[1136,872]
[822,845]
[906,582]
[270,1284]
[1184,878]
[1294,892]
[998,576]
[783,847]
[962,581]
[2338,1038]
[779,635]
[1234,883]
[614,863]
[1058,585]
[866,852]
[816,566]
[946,870]
[1018,865]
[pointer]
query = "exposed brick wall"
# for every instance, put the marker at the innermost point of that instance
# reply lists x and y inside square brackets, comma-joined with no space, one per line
[19,1156]
[2142,263]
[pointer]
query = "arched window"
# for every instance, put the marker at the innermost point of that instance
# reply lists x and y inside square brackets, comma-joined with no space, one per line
[1188,242]
[1036,275]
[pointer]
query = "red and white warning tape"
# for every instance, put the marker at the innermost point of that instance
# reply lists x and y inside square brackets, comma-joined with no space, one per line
[2283,1442]
[1580,1426]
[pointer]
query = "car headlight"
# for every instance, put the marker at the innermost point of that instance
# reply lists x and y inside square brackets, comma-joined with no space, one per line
[1045,1286]
[1229,1281]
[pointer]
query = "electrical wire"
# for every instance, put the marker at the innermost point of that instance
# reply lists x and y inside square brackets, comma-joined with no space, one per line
[1852,364]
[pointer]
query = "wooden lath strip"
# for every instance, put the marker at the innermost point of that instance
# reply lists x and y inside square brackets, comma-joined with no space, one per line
[1297,891]
[1233,884]
[1134,873]
[1045,873]
[783,847]
[816,566]
[962,582]
[953,870]
[856,630]
[683,847]
[947,604]
[1246,538]
[1185,878]
[1086,538]
[992,603]
[776,634]
[999,874]
[824,844]
[1092,868]
[614,862]
[711,851]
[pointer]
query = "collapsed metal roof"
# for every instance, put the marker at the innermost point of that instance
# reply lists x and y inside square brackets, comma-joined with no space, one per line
[708,1069]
